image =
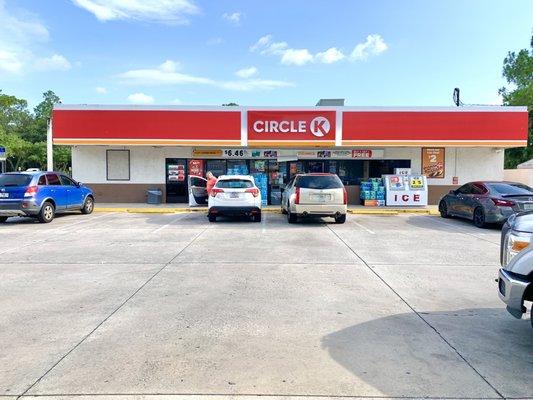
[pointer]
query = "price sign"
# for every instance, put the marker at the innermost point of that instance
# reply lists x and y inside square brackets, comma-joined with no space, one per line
[2,153]
[237,153]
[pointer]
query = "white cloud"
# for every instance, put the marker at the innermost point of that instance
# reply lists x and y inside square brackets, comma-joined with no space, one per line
[330,56]
[18,35]
[247,72]
[233,18]
[373,45]
[101,90]
[158,11]
[296,57]
[165,74]
[262,42]
[215,41]
[254,84]
[10,61]
[177,101]
[57,62]
[140,98]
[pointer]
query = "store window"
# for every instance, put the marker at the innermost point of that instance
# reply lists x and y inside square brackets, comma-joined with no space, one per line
[118,165]
[386,167]
[217,167]
[237,167]
[351,172]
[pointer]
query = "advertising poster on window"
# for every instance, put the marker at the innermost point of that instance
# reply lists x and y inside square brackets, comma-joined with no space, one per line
[196,167]
[433,162]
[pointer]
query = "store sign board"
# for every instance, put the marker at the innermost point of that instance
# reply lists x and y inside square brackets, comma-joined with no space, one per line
[433,162]
[341,154]
[217,153]
[2,153]
[291,126]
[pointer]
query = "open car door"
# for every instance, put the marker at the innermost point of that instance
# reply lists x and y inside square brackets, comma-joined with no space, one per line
[197,190]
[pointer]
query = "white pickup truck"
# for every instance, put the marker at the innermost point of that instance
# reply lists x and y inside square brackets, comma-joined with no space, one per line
[515,282]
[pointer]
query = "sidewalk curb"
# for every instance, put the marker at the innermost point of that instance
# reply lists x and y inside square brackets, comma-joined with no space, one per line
[182,210]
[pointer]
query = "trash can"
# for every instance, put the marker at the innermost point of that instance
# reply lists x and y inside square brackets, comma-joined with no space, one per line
[154,196]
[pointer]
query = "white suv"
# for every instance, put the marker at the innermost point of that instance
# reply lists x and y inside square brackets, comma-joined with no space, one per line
[315,195]
[235,195]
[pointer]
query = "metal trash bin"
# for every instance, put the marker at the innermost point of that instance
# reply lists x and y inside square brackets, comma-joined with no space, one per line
[154,196]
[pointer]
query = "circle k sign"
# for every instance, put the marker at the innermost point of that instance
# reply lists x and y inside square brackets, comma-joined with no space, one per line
[297,126]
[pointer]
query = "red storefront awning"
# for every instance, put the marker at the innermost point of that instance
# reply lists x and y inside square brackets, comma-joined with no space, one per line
[290,127]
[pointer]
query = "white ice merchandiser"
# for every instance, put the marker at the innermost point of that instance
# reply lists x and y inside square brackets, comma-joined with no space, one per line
[406,190]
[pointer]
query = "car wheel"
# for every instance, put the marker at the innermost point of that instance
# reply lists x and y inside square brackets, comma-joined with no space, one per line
[479,217]
[212,218]
[257,217]
[3,219]
[291,218]
[88,207]
[47,213]
[443,209]
[341,219]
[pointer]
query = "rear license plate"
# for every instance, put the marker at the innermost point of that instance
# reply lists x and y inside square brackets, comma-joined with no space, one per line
[321,198]
[234,195]
[4,195]
[528,206]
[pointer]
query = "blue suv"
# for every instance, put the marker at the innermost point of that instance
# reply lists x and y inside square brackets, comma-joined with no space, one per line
[41,195]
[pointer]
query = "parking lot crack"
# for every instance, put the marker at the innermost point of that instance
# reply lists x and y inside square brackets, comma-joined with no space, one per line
[419,315]
[120,306]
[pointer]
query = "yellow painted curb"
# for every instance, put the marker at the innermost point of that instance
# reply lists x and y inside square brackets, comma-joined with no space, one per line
[373,212]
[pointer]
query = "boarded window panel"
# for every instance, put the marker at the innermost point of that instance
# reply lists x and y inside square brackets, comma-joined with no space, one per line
[118,165]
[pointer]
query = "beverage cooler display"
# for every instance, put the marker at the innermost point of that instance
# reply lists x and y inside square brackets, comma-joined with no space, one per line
[258,169]
[277,173]
[237,167]
[406,190]
[373,192]
[176,180]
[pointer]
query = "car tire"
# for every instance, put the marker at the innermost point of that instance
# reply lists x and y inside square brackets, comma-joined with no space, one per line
[47,213]
[291,218]
[479,217]
[3,219]
[88,206]
[443,209]
[341,219]
[212,218]
[257,218]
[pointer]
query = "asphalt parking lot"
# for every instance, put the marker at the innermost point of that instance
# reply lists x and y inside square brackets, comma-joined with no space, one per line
[140,305]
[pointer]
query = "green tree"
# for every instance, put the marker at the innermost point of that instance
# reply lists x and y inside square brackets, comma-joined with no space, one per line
[14,115]
[231,104]
[518,71]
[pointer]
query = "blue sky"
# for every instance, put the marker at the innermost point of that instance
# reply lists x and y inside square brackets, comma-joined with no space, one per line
[384,53]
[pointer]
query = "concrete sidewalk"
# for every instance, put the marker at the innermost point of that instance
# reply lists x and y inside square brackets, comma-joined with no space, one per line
[185,208]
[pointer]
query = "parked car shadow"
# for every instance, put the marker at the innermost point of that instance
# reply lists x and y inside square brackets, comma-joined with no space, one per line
[400,354]
[446,224]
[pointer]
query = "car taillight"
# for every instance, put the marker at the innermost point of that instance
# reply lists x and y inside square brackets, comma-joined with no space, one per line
[503,203]
[297,200]
[345,196]
[253,191]
[216,191]
[31,191]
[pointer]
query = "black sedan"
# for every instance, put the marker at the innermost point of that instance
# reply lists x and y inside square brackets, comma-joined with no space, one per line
[487,202]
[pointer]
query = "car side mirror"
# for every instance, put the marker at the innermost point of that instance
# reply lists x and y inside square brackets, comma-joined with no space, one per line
[453,192]
[79,184]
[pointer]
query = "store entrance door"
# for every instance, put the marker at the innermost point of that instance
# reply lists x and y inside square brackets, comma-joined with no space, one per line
[176,180]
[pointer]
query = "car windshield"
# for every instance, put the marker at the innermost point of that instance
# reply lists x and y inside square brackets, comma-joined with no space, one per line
[15,179]
[511,189]
[234,184]
[319,182]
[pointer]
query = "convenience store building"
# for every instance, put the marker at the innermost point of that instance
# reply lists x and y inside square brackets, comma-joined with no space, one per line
[122,151]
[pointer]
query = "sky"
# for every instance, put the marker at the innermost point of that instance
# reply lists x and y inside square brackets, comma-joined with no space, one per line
[277,53]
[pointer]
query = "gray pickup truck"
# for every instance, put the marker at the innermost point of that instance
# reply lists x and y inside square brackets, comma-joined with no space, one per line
[515,282]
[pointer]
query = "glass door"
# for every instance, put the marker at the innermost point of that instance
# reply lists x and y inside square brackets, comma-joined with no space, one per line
[176,180]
